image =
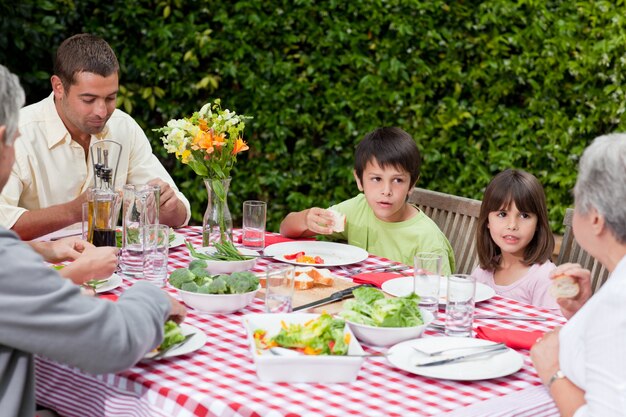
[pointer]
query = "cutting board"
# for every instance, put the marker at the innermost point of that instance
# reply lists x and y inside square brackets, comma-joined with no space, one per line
[301,297]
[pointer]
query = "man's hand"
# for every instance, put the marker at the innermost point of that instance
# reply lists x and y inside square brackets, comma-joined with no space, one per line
[93,263]
[172,211]
[178,311]
[66,249]
[569,306]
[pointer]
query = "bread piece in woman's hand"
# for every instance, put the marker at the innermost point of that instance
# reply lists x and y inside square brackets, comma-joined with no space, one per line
[339,220]
[564,286]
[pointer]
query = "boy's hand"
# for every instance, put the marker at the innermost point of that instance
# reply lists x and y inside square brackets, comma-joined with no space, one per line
[320,221]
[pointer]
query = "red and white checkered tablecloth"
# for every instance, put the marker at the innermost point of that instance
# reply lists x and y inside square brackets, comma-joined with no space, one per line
[220,378]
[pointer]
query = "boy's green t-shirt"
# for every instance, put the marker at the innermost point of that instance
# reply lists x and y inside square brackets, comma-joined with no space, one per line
[398,241]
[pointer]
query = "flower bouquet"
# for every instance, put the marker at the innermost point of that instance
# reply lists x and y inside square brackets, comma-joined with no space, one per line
[209,142]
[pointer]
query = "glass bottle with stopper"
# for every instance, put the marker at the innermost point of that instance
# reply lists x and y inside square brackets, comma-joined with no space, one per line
[105,206]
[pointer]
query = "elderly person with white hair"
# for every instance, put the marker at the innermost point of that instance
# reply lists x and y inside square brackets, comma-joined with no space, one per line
[42,314]
[583,364]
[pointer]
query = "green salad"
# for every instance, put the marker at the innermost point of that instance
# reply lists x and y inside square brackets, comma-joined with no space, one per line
[370,307]
[172,334]
[133,236]
[196,278]
[324,335]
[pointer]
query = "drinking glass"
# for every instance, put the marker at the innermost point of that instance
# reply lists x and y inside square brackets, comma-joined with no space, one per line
[156,248]
[86,223]
[427,279]
[254,213]
[140,208]
[460,305]
[279,288]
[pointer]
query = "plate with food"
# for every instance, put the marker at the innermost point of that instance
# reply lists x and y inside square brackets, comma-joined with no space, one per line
[307,253]
[400,287]
[104,285]
[311,348]
[176,239]
[175,343]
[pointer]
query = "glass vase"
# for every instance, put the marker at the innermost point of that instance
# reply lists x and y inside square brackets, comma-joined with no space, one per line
[217,224]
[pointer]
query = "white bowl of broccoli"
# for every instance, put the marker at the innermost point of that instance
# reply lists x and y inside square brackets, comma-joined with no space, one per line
[380,321]
[215,294]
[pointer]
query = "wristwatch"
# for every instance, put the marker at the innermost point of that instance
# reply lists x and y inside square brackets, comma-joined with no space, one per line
[557,375]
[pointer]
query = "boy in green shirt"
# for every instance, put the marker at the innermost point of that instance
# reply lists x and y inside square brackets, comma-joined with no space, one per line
[379,220]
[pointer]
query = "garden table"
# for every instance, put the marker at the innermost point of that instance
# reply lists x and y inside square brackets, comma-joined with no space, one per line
[220,379]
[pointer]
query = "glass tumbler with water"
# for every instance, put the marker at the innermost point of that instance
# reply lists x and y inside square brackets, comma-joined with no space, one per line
[460,305]
[140,208]
[156,248]
[279,288]
[427,279]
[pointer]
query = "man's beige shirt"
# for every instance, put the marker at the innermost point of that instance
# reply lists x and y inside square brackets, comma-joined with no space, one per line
[50,168]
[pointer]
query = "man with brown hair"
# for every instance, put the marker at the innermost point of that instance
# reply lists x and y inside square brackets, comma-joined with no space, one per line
[42,314]
[53,167]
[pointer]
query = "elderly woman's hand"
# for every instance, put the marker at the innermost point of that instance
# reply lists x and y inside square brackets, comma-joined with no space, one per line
[569,306]
[545,355]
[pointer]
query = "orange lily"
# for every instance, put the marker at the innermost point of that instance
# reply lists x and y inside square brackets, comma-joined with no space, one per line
[239,146]
[203,125]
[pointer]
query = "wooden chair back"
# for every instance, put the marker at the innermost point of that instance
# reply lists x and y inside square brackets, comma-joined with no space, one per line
[456,217]
[571,252]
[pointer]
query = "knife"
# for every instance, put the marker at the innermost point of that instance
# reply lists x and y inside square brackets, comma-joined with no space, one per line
[336,296]
[494,351]
[496,317]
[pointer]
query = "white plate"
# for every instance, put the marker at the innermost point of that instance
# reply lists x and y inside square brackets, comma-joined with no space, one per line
[198,340]
[333,254]
[404,357]
[400,287]
[112,283]
[178,240]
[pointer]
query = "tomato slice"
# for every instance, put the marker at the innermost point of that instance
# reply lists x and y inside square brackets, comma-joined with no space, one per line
[293,256]
[318,260]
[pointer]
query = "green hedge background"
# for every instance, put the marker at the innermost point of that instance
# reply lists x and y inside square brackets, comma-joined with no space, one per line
[481,85]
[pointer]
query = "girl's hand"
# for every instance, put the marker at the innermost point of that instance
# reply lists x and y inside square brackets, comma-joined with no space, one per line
[545,355]
[319,221]
[569,306]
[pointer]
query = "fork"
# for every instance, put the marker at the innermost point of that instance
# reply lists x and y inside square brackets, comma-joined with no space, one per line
[474,348]
[163,352]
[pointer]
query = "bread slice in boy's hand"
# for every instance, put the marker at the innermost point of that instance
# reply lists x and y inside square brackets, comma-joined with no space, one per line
[339,221]
[564,286]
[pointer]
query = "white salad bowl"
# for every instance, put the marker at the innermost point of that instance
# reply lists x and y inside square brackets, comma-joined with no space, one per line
[217,303]
[300,368]
[387,336]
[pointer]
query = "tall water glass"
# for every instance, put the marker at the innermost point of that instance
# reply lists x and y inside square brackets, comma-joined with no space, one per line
[141,208]
[156,248]
[253,233]
[460,305]
[279,288]
[427,279]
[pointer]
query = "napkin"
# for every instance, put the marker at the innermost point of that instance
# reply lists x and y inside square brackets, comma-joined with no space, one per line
[270,239]
[515,339]
[374,278]
[110,297]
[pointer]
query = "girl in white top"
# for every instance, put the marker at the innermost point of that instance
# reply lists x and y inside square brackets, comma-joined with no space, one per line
[514,240]
[584,364]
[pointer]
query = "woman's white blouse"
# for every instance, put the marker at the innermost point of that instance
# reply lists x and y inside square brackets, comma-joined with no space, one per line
[592,350]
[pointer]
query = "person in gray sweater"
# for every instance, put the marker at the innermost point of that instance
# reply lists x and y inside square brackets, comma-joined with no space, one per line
[43,314]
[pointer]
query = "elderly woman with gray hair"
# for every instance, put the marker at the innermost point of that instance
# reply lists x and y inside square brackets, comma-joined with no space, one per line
[583,364]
